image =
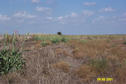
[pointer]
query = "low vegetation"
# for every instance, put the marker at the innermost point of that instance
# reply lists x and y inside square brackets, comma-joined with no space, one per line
[54,39]
[11,55]
[124,42]
[10,61]
[56,59]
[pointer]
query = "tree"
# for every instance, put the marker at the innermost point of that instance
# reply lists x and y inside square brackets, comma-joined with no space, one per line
[59,33]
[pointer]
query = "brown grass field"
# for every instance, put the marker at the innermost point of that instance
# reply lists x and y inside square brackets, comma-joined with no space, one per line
[78,60]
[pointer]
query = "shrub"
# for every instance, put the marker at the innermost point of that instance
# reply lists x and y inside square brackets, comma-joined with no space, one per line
[55,40]
[10,60]
[124,42]
[63,39]
[100,65]
[44,43]
[10,55]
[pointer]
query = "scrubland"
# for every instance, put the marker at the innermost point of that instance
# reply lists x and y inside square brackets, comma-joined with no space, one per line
[62,59]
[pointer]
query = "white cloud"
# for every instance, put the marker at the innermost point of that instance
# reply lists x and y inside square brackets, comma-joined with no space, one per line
[98,19]
[4,18]
[67,18]
[60,18]
[108,9]
[74,14]
[49,18]
[89,3]
[122,18]
[70,18]
[35,1]
[23,15]
[88,13]
[44,10]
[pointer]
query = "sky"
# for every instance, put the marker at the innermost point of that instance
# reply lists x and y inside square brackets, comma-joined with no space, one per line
[74,17]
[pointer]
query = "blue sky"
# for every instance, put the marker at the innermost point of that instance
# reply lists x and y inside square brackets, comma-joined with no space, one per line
[67,16]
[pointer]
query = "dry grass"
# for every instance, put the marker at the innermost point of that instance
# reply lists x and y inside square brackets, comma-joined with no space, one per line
[85,72]
[64,66]
[79,61]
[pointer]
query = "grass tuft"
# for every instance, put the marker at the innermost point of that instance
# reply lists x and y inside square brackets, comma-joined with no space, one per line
[64,66]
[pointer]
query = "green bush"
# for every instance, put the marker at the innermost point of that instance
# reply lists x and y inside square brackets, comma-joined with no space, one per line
[55,40]
[124,42]
[39,38]
[11,55]
[64,39]
[10,60]
[99,64]
[44,43]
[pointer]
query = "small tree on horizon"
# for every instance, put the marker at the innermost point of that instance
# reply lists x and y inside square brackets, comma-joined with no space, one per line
[59,33]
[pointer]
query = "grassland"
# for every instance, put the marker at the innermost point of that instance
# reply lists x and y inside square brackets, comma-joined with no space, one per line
[67,59]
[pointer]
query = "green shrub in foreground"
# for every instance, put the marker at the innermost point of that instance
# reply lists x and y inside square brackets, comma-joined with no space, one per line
[10,60]
[11,55]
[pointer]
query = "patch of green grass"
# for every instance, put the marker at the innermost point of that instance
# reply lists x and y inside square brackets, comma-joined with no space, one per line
[53,38]
[44,43]
[100,65]
[83,41]
[64,39]
[41,38]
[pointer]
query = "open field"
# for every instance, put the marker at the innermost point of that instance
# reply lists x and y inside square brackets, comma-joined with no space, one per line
[65,59]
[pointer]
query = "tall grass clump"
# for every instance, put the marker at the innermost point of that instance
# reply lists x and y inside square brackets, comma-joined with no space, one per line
[10,56]
[100,65]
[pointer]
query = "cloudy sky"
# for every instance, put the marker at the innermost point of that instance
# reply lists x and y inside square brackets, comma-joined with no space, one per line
[67,16]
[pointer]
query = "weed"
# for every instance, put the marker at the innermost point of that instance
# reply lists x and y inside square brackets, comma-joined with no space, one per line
[10,55]
[10,38]
[10,60]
